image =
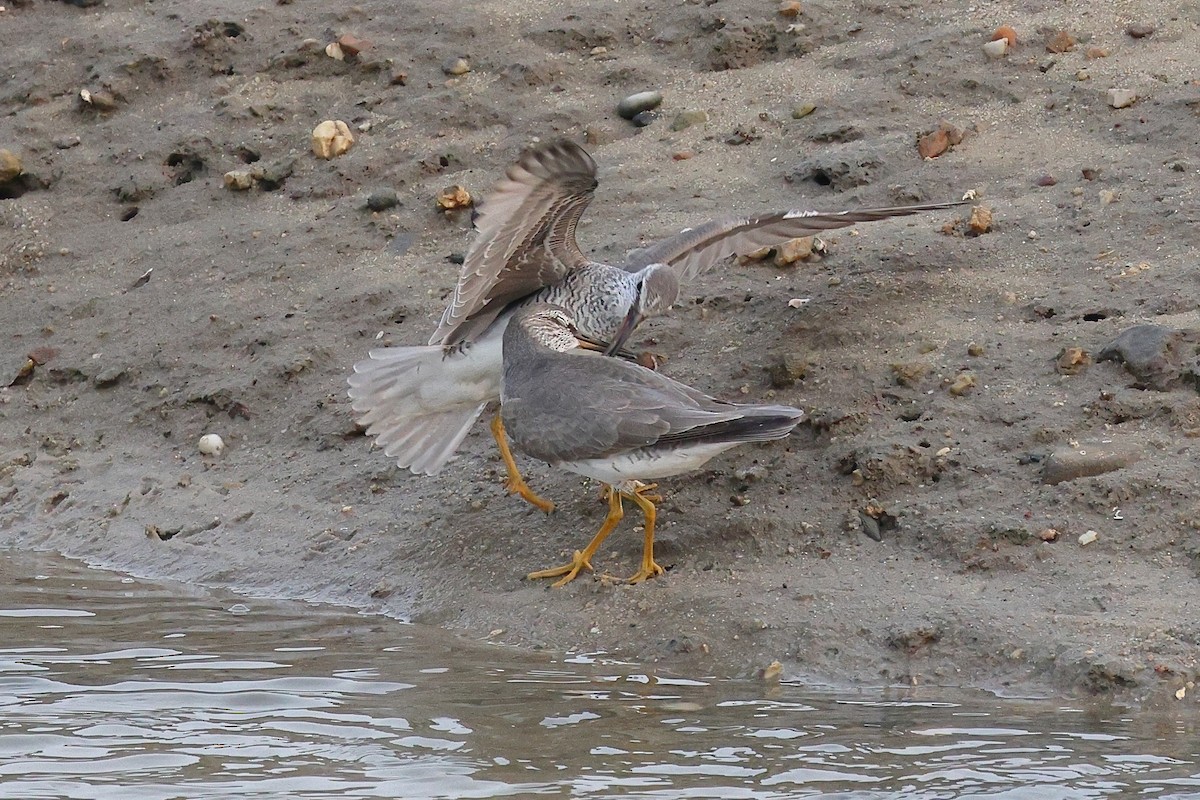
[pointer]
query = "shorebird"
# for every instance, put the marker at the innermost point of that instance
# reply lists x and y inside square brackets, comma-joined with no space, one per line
[614,421]
[419,402]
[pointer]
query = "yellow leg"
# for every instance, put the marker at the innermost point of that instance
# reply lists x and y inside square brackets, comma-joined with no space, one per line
[515,483]
[645,502]
[583,560]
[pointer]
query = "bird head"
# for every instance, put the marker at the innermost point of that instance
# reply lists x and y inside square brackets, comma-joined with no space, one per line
[657,291]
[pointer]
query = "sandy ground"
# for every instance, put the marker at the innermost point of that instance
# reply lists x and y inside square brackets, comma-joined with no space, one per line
[259,302]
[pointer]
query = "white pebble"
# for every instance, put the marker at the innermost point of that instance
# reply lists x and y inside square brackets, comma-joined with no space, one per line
[211,444]
[1087,537]
[996,49]
[1120,98]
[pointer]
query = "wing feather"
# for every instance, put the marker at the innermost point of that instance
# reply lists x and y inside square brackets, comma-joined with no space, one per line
[525,237]
[694,250]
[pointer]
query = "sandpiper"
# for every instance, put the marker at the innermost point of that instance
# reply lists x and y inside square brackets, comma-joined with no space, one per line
[614,421]
[419,402]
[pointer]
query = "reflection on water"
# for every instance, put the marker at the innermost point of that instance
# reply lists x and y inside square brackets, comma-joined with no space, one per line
[116,688]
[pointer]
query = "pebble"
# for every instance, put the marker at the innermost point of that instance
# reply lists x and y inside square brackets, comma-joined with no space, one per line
[382,200]
[211,444]
[644,118]
[1121,98]
[794,250]
[932,145]
[101,101]
[1096,52]
[981,220]
[962,384]
[1087,460]
[453,197]
[996,48]
[66,142]
[1060,42]
[1108,197]
[1046,180]
[239,180]
[803,110]
[1006,33]
[975,349]
[1087,537]
[1140,30]
[1072,361]
[351,45]
[686,119]
[635,104]
[10,166]
[790,8]
[331,138]
[456,66]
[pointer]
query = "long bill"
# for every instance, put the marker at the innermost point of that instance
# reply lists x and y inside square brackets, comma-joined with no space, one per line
[628,325]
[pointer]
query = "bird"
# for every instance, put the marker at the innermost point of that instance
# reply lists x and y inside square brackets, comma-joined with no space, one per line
[419,402]
[614,421]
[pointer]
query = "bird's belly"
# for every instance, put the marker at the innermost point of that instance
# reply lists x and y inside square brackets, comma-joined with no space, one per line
[648,464]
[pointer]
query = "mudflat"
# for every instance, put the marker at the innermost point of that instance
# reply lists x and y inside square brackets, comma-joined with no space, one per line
[984,399]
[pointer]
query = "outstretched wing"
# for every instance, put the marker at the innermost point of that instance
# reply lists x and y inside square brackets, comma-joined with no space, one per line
[695,250]
[525,239]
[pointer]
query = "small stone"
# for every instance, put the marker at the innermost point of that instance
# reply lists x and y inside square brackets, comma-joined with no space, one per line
[773,670]
[1094,52]
[334,51]
[10,166]
[398,78]
[790,367]
[996,48]
[962,384]
[455,65]
[1087,460]
[1140,30]
[211,444]
[1089,174]
[909,373]
[932,145]
[1048,535]
[1046,180]
[331,138]
[1156,356]
[66,142]
[453,197]
[682,155]
[1082,75]
[272,176]
[687,119]
[981,220]
[1006,33]
[239,180]
[1072,361]
[1121,98]
[351,45]
[1087,537]
[382,200]
[1060,42]
[635,104]
[1108,197]
[644,118]
[101,101]
[975,350]
[794,250]
[790,8]
[803,110]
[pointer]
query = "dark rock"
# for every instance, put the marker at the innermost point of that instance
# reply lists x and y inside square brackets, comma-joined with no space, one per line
[1160,358]
[382,200]
[1140,30]
[273,175]
[1072,463]
[644,118]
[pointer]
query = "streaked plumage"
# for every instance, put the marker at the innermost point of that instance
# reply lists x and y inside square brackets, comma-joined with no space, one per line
[614,421]
[420,402]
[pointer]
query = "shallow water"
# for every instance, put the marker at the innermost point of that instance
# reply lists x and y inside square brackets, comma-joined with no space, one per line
[118,688]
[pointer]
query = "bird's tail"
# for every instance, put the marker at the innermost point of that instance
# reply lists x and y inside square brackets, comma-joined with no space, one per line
[754,424]
[394,393]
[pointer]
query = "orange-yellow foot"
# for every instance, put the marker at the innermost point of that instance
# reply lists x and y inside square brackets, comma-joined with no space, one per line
[568,571]
[651,570]
[516,485]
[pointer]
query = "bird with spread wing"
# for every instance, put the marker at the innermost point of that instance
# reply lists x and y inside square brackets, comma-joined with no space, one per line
[419,402]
